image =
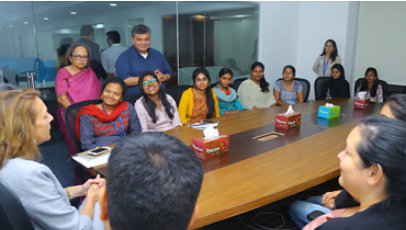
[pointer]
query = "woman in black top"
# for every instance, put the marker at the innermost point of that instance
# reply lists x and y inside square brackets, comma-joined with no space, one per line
[336,86]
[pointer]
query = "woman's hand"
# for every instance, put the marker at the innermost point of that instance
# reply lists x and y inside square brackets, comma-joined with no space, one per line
[328,199]
[96,181]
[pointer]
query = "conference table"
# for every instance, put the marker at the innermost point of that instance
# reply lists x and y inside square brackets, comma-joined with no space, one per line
[258,172]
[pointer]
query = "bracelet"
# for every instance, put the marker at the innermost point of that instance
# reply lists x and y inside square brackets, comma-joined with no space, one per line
[68,193]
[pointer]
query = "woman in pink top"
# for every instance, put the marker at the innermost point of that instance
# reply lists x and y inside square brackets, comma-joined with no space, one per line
[73,84]
[156,110]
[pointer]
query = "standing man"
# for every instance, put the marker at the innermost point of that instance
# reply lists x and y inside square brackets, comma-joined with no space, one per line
[110,55]
[87,37]
[140,58]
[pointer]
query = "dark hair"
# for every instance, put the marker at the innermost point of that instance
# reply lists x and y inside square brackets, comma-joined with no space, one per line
[364,83]
[334,54]
[153,181]
[86,30]
[150,105]
[209,94]
[77,44]
[291,67]
[397,105]
[225,70]
[116,80]
[140,29]
[383,142]
[263,84]
[113,36]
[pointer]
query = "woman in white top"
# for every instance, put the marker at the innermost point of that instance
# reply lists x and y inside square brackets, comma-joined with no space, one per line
[254,92]
[156,110]
[326,60]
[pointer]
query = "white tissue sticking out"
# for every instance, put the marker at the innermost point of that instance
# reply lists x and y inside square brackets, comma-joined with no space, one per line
[329,105]
[210,132]
[362,94]
[290,110]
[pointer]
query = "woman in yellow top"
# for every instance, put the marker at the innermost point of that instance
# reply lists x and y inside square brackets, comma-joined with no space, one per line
[198,102]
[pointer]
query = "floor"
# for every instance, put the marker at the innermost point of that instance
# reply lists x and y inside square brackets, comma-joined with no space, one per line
[272,216]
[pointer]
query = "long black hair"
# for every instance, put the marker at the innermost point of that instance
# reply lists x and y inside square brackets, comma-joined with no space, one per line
[209,95]
[364,83]
[150,105]
[338,87]
[263,84]
[383,143]
[334,54]
[397,105]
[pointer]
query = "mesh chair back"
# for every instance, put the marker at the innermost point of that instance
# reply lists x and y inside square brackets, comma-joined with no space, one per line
[237,83]
[176,92]
[305,85]
[12,213]
[319,85]
[70,118]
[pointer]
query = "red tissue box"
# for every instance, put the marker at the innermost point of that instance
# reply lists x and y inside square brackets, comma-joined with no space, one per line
[361,103]
[207,148]
[287,121]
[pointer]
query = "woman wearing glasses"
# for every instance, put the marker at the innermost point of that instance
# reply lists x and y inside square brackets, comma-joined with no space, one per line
[108,122]
[73,84]
[198,102]
[329,57]
[287,90]
[156,110]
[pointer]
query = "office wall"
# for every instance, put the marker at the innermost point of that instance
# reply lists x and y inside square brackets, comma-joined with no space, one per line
[382,40]
[295,33]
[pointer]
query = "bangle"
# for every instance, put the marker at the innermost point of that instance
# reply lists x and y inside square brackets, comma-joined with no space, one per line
[68,193]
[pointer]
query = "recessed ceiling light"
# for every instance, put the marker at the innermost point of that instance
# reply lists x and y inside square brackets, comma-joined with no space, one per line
[26,23]
[113,4]
[99,26]
[46,19]
[73,12]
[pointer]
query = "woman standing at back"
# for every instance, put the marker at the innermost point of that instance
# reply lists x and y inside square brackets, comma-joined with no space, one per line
[329,57]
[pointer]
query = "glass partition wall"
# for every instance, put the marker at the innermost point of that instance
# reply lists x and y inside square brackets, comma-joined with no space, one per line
[188,34]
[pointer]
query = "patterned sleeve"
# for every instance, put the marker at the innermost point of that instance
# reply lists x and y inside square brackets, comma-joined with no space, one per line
[277,86]
[299,87]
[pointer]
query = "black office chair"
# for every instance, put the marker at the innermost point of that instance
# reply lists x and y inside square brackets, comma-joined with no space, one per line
[237,82]
[70,118]
[319,85]
[12,213]
[176,92]
[133,98]
[384,85]
[305,85]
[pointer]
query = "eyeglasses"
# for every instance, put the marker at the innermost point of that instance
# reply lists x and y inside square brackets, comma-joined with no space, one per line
[329,46]
[288,73]
[80,57]
[201,79]
[152,81]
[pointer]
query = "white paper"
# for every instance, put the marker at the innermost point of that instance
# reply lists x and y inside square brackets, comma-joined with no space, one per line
[329,105]
[93,162]
[290,110]
[210,132]
[362,94]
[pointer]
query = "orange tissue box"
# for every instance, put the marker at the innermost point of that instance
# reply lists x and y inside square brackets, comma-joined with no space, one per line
[207,148]
[287,121]
[361,103]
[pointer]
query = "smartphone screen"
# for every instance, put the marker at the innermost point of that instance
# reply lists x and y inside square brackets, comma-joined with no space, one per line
[97,150]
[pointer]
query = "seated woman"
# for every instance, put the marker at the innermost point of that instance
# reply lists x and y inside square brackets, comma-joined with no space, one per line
[226,96]
[287,90]
[372,171]
[110,121]
[25,124]
[254,92]
[395,108]
[198,102]
[336,86]
[371,85]
[73,84]
[156,110]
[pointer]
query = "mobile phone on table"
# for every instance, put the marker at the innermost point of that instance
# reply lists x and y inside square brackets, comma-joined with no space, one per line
[97,151]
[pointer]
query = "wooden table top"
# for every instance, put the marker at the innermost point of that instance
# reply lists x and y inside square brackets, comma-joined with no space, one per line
[259,179]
